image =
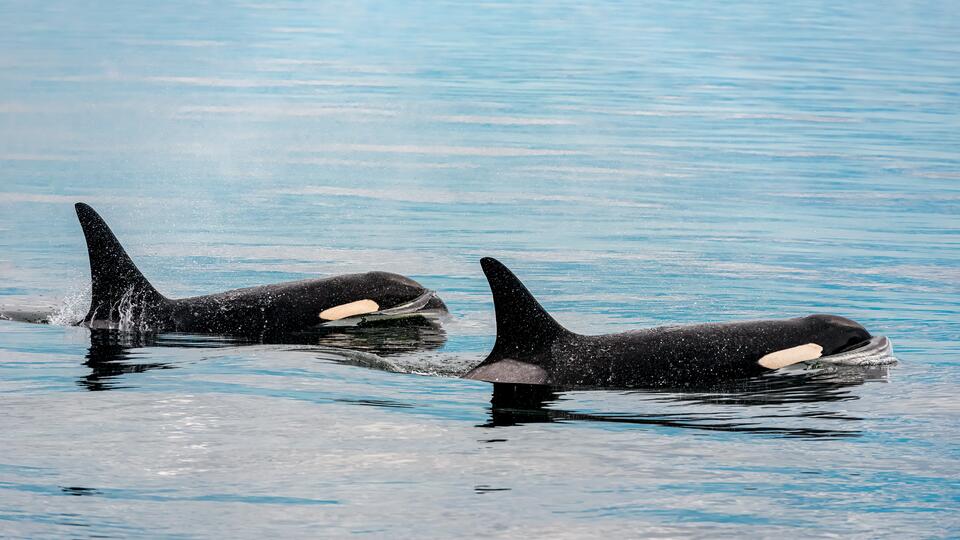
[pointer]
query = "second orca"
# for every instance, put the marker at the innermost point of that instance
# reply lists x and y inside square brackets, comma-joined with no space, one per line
[123,298]
[533,348]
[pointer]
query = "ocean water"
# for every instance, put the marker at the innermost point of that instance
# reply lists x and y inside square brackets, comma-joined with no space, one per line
[635,165]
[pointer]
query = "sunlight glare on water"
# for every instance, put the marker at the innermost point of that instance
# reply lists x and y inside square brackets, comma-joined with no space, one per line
[636,165]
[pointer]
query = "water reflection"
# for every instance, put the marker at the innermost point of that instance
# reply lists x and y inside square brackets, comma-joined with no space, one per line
[384,341]
[765,405]
[114,353]
[79,491]
[111,354]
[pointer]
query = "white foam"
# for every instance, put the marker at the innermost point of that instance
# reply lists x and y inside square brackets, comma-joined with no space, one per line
[877,352]
[71,310]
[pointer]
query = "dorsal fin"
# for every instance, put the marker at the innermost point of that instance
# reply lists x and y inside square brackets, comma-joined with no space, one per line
[523,326]
[113,275]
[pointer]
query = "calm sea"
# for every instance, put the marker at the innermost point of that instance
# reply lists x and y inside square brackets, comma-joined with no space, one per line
[635,164]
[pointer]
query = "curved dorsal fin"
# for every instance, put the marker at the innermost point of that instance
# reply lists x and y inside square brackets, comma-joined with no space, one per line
[523,326]
[113,275]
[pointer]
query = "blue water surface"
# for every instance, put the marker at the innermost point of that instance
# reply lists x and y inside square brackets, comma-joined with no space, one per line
[635,164]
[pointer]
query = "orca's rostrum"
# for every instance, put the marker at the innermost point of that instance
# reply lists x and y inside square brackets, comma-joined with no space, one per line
[123,298]
[533,348]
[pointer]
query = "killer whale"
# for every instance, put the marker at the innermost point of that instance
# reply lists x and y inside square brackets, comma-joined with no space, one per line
[533,348]
[123,298]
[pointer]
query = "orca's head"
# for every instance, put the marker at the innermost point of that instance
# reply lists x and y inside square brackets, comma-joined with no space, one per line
[837,334]
[391,290]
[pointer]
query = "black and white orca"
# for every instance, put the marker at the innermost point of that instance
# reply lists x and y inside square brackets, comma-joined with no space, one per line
[123,298]
[532,348]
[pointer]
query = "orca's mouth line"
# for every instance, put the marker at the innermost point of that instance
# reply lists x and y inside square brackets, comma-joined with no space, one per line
[876,351]
[414,305]
[853,347]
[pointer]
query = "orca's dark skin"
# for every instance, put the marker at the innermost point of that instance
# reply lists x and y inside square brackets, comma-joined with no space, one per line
[123,297]
[532,348]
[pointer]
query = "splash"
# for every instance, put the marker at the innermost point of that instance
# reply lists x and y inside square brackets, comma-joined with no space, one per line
[71,310]
[132,313]
[876,352]
[129,314]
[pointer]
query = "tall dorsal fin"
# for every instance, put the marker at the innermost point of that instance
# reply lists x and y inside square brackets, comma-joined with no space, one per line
[112,272]
[523,326]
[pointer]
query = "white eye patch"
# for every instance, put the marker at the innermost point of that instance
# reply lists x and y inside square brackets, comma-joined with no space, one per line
[360,307]
[793,355]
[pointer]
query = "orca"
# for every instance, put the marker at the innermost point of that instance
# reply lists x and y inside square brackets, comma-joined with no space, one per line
[122,298]
[533,348]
